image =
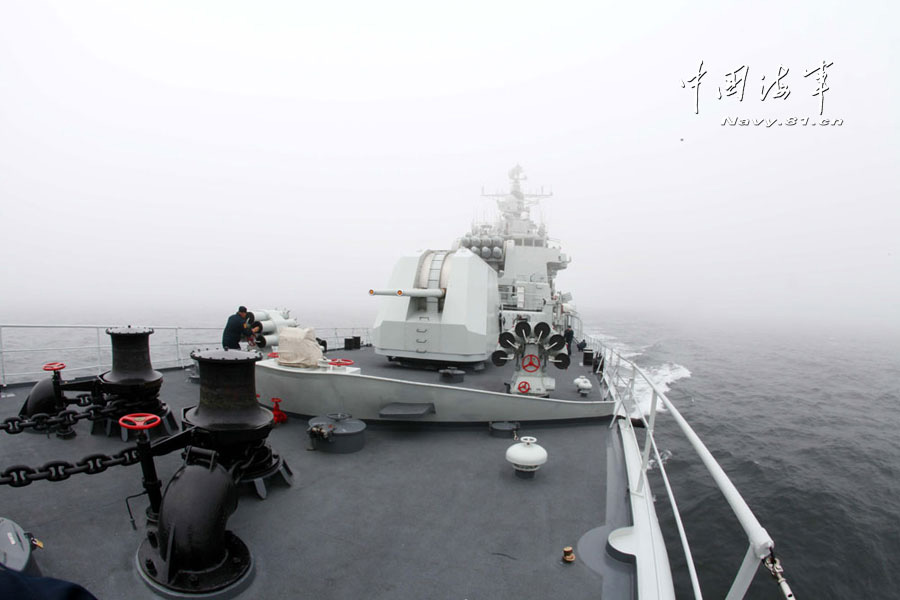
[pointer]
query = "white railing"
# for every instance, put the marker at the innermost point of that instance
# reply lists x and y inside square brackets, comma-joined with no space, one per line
[620,375]
[86,349]
[335,336]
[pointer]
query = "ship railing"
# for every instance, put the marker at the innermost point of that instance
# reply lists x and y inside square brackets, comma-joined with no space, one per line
[335,336]
[86,349]
[621,375]
[577,326]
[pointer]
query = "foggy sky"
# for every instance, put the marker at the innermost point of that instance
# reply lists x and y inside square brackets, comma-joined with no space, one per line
[169,161]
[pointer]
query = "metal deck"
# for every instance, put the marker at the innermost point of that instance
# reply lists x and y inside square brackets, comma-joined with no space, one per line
[419,512]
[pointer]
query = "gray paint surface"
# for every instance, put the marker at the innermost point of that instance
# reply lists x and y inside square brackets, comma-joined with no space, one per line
[480,397]
[418,512]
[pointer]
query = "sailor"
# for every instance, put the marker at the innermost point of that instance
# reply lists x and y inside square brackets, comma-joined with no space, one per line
[235,328]
[14,584]
[569,336]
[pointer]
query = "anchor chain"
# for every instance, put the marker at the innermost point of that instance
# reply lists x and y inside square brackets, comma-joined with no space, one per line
[777,571]
[43,422]
[60,470]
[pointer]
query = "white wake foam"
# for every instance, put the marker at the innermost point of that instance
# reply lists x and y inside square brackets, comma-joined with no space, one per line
[662,376]
[664,455]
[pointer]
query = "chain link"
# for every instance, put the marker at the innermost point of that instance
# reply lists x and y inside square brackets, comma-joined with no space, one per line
[43,422]
[60,470]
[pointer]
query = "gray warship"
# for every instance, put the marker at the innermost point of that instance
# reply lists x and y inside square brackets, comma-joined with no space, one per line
[462,449]
[474,333]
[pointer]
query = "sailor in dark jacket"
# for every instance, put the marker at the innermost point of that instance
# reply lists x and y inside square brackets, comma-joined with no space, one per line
[235,328]
[569,335]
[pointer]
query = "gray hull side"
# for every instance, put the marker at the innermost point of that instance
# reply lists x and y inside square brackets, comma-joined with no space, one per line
[316,392]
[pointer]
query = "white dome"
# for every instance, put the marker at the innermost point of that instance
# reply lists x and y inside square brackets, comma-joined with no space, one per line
[526,455]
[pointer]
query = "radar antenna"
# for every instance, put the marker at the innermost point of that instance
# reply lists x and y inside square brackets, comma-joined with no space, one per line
[516,204]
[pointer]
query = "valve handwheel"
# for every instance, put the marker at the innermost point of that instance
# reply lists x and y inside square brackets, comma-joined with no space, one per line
[340,362]
[54,366]
[531,363]
[524,387]
[140,421]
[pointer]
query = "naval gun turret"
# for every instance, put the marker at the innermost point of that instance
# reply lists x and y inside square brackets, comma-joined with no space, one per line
[450,306]
[441,306]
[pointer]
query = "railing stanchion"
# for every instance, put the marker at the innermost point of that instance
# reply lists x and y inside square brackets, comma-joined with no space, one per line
[645,460]
[2,361]
[745,575]
[631,389]
[178,348]
[99,357]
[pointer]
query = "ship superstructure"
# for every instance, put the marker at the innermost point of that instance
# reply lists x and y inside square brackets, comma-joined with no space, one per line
[525,258]
[491,295]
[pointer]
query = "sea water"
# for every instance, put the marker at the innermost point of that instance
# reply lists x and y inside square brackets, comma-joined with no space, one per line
[806,425]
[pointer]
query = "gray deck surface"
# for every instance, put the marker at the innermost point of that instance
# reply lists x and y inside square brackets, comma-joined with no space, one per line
[490,378]
[419,512]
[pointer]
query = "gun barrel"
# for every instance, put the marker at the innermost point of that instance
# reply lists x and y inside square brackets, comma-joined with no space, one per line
[413,293]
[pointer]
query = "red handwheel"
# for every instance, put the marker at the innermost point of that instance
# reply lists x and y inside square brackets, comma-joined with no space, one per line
[340,362]
[531,363]
[140,421]
[524,387]
[54,366]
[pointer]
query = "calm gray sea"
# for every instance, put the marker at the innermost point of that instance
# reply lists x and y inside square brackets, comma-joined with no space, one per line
[806,425]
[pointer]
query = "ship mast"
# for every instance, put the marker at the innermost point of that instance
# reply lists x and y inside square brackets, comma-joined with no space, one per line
[515,206]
